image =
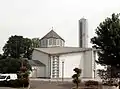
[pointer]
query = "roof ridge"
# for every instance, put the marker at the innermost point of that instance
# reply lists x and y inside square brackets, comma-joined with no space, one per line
[36,63]
[52,34]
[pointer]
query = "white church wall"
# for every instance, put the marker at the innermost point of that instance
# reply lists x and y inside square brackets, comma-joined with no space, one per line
[71,61]
[40,72]
[95,66]
[88,72]
[37,71]
[43,58]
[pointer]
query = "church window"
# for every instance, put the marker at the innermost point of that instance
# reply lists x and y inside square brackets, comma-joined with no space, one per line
[50,41]
[57,41]
[44,42]
[60,43]
[54,41]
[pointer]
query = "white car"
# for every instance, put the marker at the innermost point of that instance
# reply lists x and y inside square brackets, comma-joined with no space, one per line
[8,77]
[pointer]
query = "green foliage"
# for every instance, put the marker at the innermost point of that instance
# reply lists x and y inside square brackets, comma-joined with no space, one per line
[76,76]
[35,42]
[1,57]
[76,81]
[17,47]
[91,83]
[19,83]
[14,51]
[109,76]
[24,70]
[12,65]
[27,48]
[108,41]
[78,71]
[15,83]
[9,65]
[22,75]
[110,72]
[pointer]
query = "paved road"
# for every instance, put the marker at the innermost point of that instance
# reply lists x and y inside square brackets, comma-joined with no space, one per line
[50,85]
[6,88]
[40,84]
[46,84]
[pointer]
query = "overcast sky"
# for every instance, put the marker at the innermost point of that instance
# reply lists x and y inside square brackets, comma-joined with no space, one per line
[35,18]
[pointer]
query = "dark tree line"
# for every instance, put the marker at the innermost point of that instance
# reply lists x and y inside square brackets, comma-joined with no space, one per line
[15,50]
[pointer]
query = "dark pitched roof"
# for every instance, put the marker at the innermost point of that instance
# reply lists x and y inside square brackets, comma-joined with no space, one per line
[62,50]
[52,34]
[36,63]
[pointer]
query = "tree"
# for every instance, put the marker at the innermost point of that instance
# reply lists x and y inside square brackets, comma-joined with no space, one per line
[1,56]
[35,42]
[76,76]
[24,69]
[15,50]
[17,47]
[28,48]
[108,77]
[108,41]
[12,65]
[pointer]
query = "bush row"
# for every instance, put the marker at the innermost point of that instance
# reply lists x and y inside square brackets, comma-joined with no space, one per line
[108,84]
[91,82]
[15,83]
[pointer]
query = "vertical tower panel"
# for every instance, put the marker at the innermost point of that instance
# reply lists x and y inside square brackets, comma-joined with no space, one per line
[83,33]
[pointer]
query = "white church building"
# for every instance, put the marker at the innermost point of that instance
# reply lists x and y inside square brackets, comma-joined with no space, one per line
[59,61]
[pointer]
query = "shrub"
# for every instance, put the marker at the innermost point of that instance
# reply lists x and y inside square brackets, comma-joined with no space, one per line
[2,83]
[24,82]
[91,82]
[92,87]
[76,76]
[110,83]
[21,83]
[15,83]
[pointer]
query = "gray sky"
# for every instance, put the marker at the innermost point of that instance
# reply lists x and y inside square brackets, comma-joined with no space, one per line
[35,18]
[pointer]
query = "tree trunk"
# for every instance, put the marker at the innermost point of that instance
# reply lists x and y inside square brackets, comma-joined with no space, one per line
[119,85]
[77,85]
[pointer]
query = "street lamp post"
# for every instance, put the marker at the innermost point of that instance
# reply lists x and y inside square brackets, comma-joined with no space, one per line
[94,73]
[62,70]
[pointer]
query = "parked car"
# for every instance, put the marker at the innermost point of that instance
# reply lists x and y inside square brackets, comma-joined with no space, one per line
[8,77]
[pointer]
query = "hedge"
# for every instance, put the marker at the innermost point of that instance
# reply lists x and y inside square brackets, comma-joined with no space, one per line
[15,83]
[91,82]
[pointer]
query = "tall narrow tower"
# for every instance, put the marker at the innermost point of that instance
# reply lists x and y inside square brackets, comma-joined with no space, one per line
[83,33]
